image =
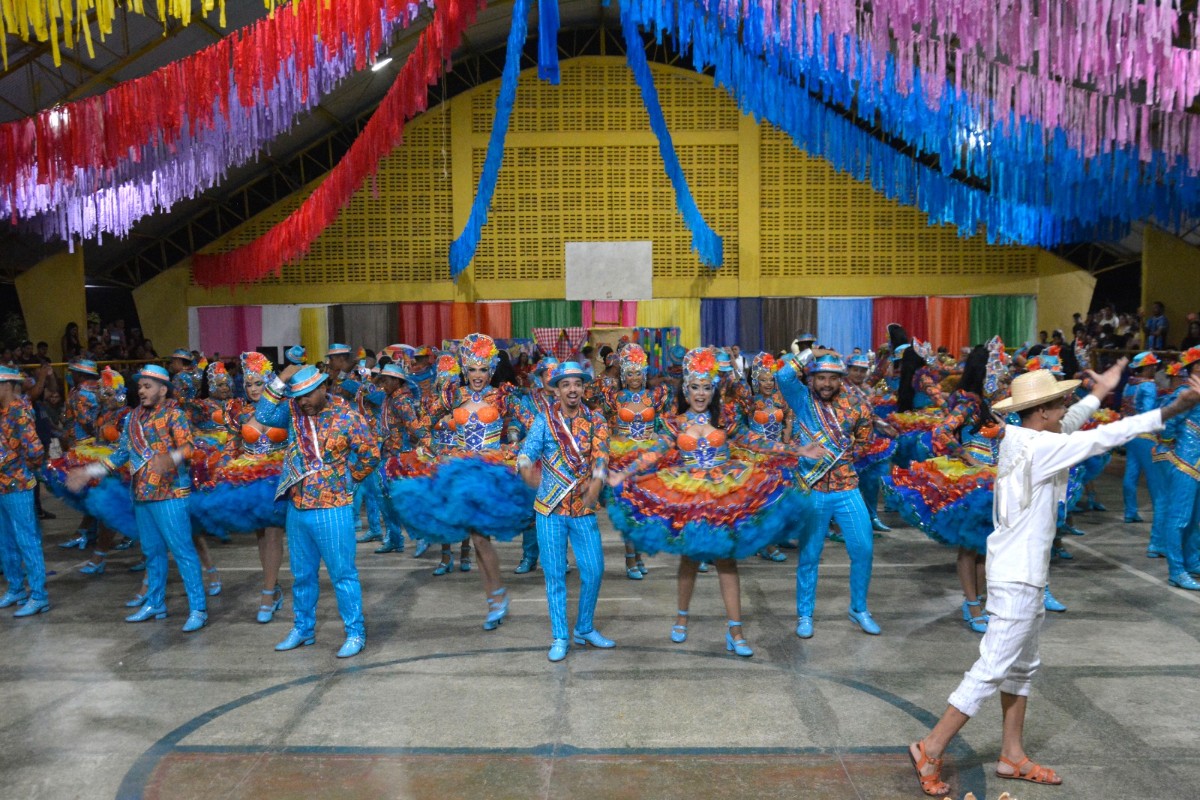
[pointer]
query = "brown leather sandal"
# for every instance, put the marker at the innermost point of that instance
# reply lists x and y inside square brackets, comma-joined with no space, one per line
[1036,774]
[931,784]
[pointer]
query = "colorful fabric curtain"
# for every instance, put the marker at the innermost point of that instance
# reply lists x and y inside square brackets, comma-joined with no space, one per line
[844,323]
[750,324]
[950,324]
[370,325]
[229,330]
[609,313]
[907,311]
[424,323]
[784,318]
[545,314]
[674,312]
[494,319]
[314,332]
[719,322]
[1014,317]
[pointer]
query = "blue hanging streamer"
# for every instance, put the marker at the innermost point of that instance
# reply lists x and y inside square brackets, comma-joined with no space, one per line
[462,249]
[705,240]
[548,41]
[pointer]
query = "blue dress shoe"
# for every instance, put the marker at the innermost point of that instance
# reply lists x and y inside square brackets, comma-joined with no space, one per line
[352,646]
[497,609]
[679,632]
[804,627]
[526,565]
[296,639]
[558,649]
[1071,529]
[1152,553]
[420,548]
[369,537]
[1051,602]
[138,600]
[195,621]
[1061,552]
[1184,581]
[389,548]
[1096,505]
[1134,518]
[595,639]
[124,544]
[140,566]
[32,607]
[147,612]
[94,567]
[12,597]
[739,644]
[266,612]
[878,526]
[865,621]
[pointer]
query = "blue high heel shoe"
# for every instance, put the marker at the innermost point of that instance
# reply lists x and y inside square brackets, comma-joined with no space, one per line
[214,588]
[497,610]
[445,566]
[633,573]
[804,627]
[464,562]
[1051,602]
[195,621]
[139,566]
[352,646]
[679,632]
[124,544]
[32,607]
[267,611]
[865,621]
[148,612]
[94,567]
[977,624]
[79,541]
[558,650]
[12,597]
[739,644]
[594,638]
[295,639]
[420,548]
[642,567]
[138,600]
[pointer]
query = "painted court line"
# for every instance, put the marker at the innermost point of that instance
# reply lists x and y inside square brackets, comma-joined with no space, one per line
[1146,576]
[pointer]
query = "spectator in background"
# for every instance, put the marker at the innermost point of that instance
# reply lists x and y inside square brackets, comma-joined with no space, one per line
[25,355]
[1044,338]
[1108,316]
[1193,334]
[71,346]
[42,356]
[1156,327]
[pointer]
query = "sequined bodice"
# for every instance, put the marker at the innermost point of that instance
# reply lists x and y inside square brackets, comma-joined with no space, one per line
[254,440]
[767,418]
[480,429]
[703,452]
[634,423]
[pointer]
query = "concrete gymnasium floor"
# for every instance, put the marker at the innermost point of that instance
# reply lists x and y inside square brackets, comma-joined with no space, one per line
[436,708]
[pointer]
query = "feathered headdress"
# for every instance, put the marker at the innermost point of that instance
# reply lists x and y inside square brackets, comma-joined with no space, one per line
[217,374]
[447,368]
[632,359]
[478,350]
[255,363]
[112,384]
[700,364]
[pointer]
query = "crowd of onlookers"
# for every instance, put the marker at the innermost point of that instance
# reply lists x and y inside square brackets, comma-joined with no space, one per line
[1106,329]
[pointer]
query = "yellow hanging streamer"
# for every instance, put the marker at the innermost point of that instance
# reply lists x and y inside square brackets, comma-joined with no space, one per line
[56,20]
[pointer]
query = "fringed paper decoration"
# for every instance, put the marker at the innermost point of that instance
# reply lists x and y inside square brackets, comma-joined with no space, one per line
[408,96]
[462,249]
[705,240]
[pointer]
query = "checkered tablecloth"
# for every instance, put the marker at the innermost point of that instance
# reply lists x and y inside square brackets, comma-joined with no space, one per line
[562,343]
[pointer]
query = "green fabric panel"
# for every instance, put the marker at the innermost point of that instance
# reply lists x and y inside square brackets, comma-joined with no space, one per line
[1014,317]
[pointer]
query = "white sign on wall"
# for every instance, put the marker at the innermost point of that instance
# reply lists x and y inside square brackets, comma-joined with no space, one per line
[610,270]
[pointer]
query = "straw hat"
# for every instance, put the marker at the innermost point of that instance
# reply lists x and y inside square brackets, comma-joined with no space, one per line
[1034,389]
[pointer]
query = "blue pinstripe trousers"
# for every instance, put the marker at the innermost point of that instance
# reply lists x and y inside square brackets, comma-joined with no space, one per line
[21,544]
[316,535]
[165,525]
[850,512]
[553,531]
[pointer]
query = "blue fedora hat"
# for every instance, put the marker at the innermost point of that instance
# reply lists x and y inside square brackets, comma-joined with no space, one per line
[305,381]
[154,372]
[568,369]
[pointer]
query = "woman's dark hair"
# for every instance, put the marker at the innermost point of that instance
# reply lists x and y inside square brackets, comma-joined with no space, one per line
[504,371]
[906,393]
[974,372]
[714,405]
[1070,364]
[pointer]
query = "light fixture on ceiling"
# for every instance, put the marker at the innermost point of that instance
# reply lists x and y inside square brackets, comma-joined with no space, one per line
[380,64]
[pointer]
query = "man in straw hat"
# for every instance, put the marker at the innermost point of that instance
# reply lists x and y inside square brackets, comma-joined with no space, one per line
[1035,459]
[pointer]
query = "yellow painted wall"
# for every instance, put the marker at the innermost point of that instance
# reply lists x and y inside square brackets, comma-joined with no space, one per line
[163,311]
[1063,290]
[51,295]
[581,164]
[1170,273]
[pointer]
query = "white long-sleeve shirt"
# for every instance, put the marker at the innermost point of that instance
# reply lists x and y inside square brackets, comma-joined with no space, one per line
[1031,478]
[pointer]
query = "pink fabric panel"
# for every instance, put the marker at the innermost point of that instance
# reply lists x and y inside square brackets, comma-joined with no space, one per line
[600,313]
[229,330]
